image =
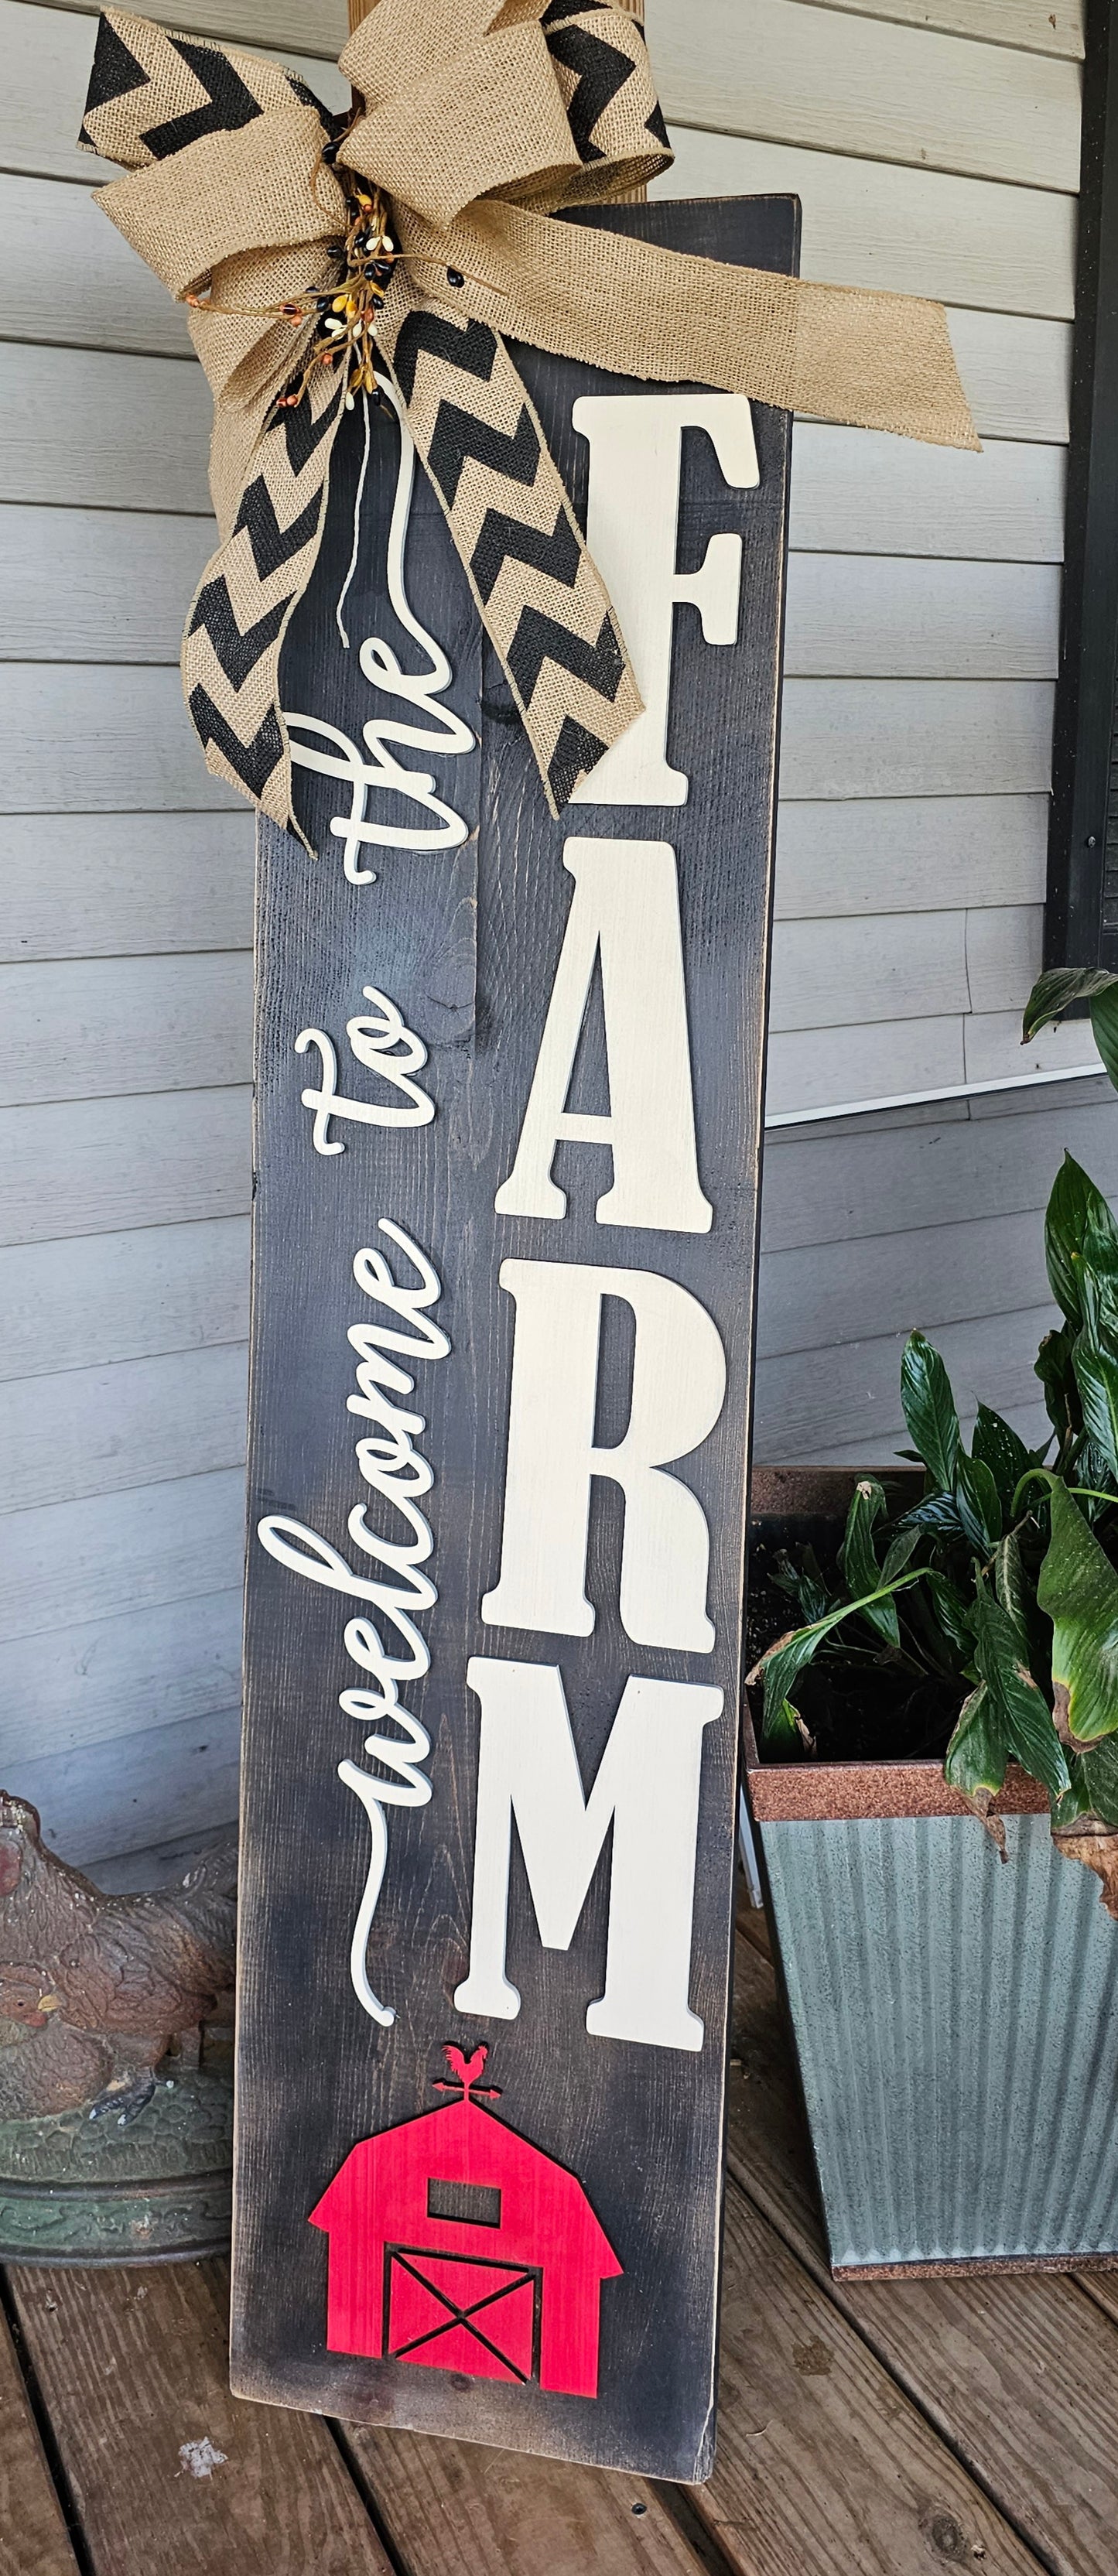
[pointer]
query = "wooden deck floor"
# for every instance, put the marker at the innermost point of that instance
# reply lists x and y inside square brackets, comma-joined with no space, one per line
[882,2430]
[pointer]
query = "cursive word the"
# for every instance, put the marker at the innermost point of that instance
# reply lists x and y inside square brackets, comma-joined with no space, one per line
[444,731]
[371,1038]
[399,1473]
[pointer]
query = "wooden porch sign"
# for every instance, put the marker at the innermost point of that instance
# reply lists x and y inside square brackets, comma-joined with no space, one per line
[508,1120]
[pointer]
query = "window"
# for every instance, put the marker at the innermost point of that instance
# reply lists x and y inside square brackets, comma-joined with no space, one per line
[476,2202]
[1082,916]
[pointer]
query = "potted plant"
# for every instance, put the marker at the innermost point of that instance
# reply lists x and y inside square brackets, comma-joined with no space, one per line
[955,1657]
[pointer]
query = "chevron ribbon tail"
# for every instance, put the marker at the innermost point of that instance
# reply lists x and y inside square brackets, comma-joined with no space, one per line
[537,590]
[240,612]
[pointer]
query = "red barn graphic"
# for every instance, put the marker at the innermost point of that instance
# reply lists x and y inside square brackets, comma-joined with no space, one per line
[456,2244]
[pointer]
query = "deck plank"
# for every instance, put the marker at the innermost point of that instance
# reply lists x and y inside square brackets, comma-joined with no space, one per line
[452,2508]
[822,2464]
[1102,2287]
[33,2539]
[133,2366]
[998,2364]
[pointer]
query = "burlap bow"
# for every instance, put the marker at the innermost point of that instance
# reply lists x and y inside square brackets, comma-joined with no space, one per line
[477,121]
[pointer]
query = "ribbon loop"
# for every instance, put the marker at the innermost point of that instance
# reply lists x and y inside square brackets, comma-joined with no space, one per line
[475,121]
[490,118]
[259,189]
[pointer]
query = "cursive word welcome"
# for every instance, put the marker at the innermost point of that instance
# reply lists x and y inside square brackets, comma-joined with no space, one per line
[371,1036]
[399,1473]
[444,731]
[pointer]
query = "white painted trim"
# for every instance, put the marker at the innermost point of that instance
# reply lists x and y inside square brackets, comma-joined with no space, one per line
[914,1099]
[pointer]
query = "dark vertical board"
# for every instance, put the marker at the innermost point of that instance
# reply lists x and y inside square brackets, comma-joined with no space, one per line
[1081,914]
[466,944]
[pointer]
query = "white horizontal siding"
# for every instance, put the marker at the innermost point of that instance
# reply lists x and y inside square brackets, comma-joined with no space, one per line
[156,412]
[100,1679]
[792,73]
[125,884]
[857,491]
[915,1276]
[909,854]
[129,582]
[76,1167]
[890,617]
[1029,23]
[943,1167]
[131,1793]
[68,1562]
[84,1027]
[104,1430]
[150,1289]
[853,1389]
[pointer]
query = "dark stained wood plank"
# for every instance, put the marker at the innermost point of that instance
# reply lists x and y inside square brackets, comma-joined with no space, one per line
[33,2538]
[823,2467]
[168,2471]
[998,2363]
[467,946]
[456,2508]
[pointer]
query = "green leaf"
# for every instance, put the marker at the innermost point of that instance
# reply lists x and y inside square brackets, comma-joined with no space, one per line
[1053,994]
[937,1516]
[1098,1779]
[929,1409]
[1096,1376]
[1078,1589]
[781,1728]
[999,1448]
[978,1752]
[859,1557]
[1076,1801]
[778,1667]
[1092,1481]
[1061,1395]
[1012,1590]
[951,1611]
[1077,1217]
[814,1593]
[1016,1590]
[979,1507]
[898,1552]
[1021,1709]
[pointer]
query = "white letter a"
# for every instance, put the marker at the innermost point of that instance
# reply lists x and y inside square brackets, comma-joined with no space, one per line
[625,909]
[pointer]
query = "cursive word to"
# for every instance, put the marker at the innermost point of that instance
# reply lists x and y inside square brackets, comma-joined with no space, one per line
[444,731]
[371,1038]
[399,1473]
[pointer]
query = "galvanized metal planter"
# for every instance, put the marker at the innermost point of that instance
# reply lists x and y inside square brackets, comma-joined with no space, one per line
[955,2019]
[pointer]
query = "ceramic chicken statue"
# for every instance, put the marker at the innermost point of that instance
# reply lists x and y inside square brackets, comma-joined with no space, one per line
[94,1988]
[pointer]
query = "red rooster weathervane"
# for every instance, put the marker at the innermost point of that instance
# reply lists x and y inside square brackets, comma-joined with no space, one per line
[458,2245]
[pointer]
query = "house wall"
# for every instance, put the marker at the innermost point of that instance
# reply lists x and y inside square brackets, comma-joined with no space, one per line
[934,145]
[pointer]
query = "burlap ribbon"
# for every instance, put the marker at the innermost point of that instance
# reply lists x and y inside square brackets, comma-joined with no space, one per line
[477,121]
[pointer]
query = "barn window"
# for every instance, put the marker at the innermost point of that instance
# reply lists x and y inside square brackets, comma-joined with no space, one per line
[1082,914]
[477,2202]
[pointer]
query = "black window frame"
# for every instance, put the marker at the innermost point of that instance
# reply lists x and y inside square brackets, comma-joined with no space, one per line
[1081,918]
